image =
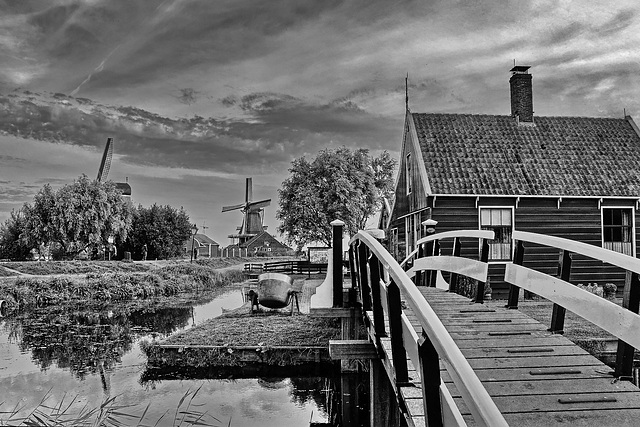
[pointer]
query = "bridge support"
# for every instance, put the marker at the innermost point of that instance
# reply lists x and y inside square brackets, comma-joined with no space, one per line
[630,301]
[337,261]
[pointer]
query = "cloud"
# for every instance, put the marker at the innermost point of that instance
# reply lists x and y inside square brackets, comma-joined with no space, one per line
[276,129]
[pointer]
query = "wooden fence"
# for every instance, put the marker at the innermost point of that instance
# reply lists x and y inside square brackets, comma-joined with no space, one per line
[290,267]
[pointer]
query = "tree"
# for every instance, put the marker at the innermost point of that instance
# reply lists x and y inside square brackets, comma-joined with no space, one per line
[78,215]
[164,229]
[337,184]
[12,244]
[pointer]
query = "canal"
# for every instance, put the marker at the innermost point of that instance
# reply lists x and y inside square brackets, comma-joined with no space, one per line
[79,357]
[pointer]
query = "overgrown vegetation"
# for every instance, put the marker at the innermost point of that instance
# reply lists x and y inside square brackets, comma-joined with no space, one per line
[270,328]
[75,267]
[164,229]
[165,281]
[266,332]
[88,219]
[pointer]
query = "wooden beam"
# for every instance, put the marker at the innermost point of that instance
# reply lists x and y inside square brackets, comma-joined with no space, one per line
[352,349]
[335,313]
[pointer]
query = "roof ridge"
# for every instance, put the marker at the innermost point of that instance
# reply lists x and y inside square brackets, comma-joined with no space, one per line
[508,115]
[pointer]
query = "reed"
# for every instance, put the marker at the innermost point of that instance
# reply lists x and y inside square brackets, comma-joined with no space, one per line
[109,414]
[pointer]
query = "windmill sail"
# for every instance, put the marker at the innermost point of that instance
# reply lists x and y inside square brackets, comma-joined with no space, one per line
[252,220]
[103,172]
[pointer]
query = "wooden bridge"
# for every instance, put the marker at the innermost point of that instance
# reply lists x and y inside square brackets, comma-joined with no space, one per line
[451,360]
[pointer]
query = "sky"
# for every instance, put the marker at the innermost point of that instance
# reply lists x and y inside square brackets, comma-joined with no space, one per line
[200,94]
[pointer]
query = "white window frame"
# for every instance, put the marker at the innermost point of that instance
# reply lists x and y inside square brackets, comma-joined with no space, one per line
[633,225]
[513,227]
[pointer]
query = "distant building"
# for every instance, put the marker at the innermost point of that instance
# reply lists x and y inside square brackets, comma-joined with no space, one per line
[262,244]
[124,188]
[206,246]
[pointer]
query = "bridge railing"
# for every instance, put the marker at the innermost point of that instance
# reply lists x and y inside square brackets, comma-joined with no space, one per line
[429,246]
[294,267]
[381,281]
[621,321]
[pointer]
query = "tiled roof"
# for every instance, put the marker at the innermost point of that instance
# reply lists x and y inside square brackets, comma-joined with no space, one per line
[560,156]
[203,239]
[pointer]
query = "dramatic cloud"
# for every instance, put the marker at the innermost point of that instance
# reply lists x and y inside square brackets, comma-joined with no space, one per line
[197,91]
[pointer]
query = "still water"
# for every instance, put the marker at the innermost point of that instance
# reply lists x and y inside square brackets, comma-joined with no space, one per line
[82,356]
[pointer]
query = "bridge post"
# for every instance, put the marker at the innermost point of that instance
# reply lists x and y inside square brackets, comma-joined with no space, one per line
[430,376]
[484,257]
[378,313]
[362,275]
[453,277]
[557,317]
[430,229]
[630,301]
[337,262]
[514,291]
[433,275]
[398,351]
[352,267]
[417,279]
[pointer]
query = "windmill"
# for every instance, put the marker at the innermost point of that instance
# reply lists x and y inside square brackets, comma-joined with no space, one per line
[253,215]
[105,165]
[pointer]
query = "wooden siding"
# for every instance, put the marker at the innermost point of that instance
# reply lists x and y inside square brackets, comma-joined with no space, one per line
[417,200]
[576,219]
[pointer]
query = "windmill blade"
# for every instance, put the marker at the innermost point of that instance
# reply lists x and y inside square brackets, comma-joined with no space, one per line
[248,190]
[105,164]
[233,208]
[259,204]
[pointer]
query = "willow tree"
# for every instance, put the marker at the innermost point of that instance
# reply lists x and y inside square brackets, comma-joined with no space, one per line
[76,216]
[338,184]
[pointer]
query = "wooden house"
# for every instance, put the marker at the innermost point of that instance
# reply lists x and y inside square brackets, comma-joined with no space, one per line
[572,177]
[262,244]
[206,246]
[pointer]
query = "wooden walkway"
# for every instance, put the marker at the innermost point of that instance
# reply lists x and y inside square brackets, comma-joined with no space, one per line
[535,378]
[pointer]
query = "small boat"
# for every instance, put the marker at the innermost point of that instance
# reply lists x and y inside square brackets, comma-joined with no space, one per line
[275,290]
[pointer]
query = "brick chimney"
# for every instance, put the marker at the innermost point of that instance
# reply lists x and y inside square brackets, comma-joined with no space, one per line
[521,94]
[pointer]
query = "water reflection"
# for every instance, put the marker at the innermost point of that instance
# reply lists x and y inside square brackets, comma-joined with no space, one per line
[88,341]
[93,352]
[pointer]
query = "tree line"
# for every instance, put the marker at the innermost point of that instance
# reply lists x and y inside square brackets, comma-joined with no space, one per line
[81,217]
[87,217]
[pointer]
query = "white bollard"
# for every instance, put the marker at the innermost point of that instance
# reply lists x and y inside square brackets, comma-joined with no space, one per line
[323,296]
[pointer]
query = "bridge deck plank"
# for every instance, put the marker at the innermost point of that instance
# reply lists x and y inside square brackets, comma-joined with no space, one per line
[523,384]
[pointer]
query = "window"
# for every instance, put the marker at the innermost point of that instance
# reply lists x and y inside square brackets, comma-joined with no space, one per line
[500,220]
[617,230]
[408,173]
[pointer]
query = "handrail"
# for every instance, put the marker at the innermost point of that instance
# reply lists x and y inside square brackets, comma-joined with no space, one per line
[622,323]
[467,267]
[477,399]
[478,234]
[614,258]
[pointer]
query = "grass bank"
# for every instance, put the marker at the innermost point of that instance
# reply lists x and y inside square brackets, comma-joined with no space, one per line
[22,292]
[42,268]
[270,338]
